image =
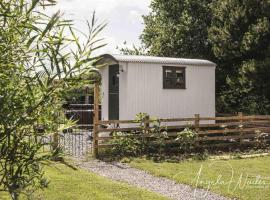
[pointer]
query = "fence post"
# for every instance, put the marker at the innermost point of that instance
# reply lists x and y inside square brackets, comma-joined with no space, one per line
[197,122]
[197,127]
[146,128]
[146,124]
[240,116]
[96,120]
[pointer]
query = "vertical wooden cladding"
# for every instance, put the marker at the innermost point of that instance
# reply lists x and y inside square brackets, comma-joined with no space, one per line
[141,90]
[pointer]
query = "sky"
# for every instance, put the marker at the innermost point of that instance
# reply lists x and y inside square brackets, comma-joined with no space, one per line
[124,18]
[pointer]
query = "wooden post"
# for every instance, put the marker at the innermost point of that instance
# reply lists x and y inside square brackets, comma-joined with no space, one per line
[96,119]
[240,115]
[197,128]
[146,124]
[146,129]
[197,123]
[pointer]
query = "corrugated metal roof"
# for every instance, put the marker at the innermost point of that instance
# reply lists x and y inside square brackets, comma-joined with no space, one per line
[162,60]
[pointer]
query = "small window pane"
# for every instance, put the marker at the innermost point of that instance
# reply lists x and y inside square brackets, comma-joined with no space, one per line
[168,73]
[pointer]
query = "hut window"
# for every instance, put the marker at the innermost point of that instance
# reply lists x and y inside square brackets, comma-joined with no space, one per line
[174,77]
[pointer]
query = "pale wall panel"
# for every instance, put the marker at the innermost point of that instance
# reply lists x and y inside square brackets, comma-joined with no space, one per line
[141,90]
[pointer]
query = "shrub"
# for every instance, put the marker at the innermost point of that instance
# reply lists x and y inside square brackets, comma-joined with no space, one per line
[186,139]
[201,156]
[159,132]
[124,144]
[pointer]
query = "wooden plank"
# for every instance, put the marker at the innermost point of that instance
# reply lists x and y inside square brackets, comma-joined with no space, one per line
[220,125]
[226,124]
[262,117]
[122,136]
[207,132]
[118,122]
[219,138]
[177,120]
[259,121]
[251,117]
[119,129]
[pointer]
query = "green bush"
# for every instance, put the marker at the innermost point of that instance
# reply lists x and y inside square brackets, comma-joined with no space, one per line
[186,139]
[124,144]
[159,132]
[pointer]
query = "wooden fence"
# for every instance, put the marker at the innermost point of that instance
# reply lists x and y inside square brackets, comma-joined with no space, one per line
[211,131]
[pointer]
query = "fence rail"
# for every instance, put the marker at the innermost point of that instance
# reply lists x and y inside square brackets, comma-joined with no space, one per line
[210,131]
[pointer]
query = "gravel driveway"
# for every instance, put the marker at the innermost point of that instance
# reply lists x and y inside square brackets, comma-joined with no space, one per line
[122,172]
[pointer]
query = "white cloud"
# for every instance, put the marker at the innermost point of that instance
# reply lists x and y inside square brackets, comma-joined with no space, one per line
[123,16]
[102,7]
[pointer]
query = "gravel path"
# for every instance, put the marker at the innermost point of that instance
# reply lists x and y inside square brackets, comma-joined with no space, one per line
[122,172]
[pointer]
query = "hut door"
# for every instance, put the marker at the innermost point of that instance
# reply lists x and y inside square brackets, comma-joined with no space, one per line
[113,92]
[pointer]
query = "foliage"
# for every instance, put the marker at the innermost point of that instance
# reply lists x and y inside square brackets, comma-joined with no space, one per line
[159,132]
[40,57]
[144,130]
[125,144]
[152,129]
[239,34]
[178,28]
[201,156]
[186,139]
[150,137]
[140,117]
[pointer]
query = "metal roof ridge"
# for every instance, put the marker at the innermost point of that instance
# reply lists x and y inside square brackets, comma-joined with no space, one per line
[162,60]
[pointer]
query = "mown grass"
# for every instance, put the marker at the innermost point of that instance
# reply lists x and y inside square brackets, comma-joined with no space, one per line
[246,179]
[69,184]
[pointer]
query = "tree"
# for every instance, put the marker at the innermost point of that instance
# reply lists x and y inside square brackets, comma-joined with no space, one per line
[178,28]
[40,57]
[240,36]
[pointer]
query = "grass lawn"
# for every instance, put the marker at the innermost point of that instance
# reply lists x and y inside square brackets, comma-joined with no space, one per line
[246,179]
[69,184]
